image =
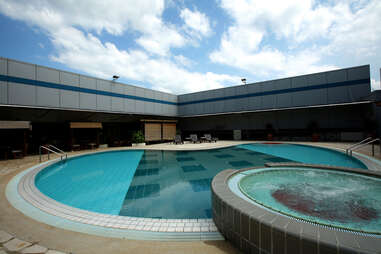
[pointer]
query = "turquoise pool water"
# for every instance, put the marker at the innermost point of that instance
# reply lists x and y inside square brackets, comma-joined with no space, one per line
[306,154]
[160,184]
[333,198]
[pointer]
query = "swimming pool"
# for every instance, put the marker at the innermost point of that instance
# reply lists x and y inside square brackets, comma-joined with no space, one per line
[164,184]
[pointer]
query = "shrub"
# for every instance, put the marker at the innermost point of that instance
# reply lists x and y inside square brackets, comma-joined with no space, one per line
[137,137]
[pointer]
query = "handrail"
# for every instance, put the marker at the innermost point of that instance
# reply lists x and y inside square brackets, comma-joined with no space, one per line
[358,146]
[53,149]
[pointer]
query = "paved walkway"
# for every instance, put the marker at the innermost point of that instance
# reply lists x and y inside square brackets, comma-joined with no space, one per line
[21,234]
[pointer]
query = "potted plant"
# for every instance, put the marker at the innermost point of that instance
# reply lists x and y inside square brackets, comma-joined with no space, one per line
[138,139]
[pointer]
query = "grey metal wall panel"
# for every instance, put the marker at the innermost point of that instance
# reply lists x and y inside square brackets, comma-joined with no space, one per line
[338,95]
[358,92]
[283,100]
[48,97]
[69,79]
[316,79]
[3,66]
[167,109]
[47,74]
[228,105]
[103,102]
[298,81]
[361,72]
[336,76]
[21,70]
[229,91]
[242,103]
[173,97]
[117,103]
[218,105]
[208,107]
[300,99]
[254,103]
[172,110]
[69,99]
[184,110]
[149,106]
[104,85]
[198,108]
[20,94]
[3,85]
[3,92]
[129,104]
[158,107]
[268,101]
[87,82]
[139,107]
[86,100]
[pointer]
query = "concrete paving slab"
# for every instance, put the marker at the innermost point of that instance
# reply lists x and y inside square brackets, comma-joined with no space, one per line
[5,237]
[55,252]
[16,245]
[35,249]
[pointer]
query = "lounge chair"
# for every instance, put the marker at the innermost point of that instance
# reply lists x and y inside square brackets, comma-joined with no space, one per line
[194,138]
[209,138]
[178,140]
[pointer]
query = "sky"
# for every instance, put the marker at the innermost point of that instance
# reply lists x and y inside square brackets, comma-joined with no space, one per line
[180,46]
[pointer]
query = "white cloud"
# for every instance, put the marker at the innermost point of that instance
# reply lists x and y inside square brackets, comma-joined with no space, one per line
[89,54]
[75,27]
[114,17]
[183,61]
[314,36]
[196,23]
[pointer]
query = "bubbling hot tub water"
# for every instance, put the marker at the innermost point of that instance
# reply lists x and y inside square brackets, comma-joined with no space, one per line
[333,198]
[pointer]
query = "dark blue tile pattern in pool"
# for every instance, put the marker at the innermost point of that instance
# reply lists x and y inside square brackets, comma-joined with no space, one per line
[146,172]
[278,159]
[240,164]
[201,184]
[143,191]
[168,180]
[192,168]
[184,159]
[223,156]
[145,162]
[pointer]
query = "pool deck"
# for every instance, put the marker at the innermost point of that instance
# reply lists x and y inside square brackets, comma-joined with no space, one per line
[26,229]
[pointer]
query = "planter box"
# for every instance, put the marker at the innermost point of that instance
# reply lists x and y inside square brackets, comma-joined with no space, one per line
[138,144]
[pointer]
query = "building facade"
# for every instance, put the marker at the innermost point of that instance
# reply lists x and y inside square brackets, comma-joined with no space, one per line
[336,104]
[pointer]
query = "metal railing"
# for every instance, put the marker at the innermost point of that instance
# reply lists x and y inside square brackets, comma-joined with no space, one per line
[52,149]
[363,143]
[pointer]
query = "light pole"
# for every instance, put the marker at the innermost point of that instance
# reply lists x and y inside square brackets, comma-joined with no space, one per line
[115,77]
[243,81]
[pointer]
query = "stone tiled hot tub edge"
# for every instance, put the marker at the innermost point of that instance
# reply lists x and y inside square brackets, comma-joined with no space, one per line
[255,229]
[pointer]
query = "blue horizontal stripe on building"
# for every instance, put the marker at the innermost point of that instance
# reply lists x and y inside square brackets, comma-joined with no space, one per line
[133,97]
[281,91]
[79,89]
